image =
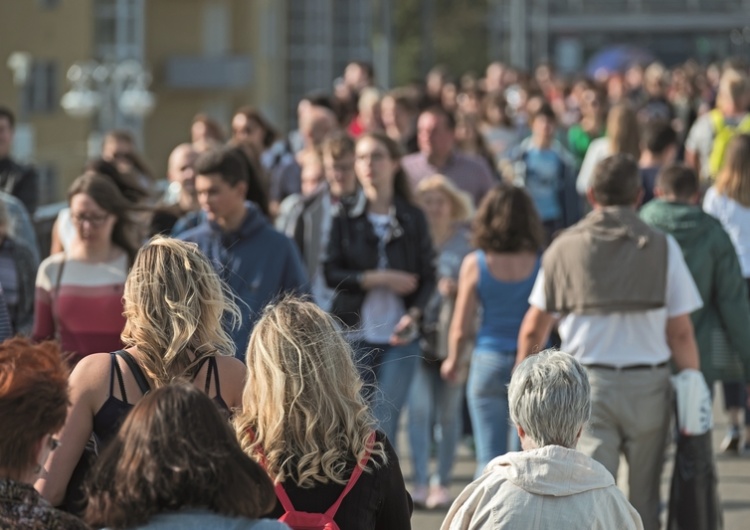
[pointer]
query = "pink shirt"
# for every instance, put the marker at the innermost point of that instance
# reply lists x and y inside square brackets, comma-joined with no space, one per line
[85,312]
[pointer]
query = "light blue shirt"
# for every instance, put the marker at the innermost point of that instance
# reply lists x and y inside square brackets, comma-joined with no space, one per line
[197,519]
[543,172]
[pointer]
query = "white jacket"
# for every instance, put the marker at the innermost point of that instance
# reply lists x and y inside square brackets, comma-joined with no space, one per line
[548,488]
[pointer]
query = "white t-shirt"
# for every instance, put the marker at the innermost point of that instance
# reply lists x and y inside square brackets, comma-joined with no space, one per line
[624,339]
[382,308]
[598,150]
[735,219]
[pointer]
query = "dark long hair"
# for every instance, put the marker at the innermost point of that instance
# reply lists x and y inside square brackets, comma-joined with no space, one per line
[507,221]
[107,195]
[127,184]
[401,185]
[175,451]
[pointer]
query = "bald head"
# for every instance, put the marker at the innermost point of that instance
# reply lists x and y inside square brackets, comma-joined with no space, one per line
[181,167]
[318,123]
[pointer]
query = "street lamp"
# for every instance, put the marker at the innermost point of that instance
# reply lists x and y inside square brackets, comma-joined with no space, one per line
[108,87]
[116,92]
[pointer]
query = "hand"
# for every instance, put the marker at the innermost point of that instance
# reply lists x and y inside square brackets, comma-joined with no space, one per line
[449,370]
[404,332]
[400,282]
[447,287]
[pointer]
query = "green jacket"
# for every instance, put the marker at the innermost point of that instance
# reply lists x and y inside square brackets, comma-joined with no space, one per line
[722,325]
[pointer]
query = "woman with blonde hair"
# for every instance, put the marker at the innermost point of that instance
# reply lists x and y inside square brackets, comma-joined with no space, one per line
[447,210]
[729,201]
[174,308]
[623,136]
[305,419]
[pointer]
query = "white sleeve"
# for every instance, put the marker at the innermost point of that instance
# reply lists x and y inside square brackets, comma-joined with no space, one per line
[538,298]
[682,295]
[709,202]
[597,151]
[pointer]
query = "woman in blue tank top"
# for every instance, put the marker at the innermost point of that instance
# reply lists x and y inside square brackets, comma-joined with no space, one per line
[497,278]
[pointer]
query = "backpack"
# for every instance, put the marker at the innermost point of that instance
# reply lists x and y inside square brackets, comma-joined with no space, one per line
[320,521]
[723,133]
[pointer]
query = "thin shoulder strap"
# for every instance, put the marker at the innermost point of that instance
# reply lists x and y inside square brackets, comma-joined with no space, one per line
[213,369]
[55,300]
[115,369]
[140,379]
[358,469]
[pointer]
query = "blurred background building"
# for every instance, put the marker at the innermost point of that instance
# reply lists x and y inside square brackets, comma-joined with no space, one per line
[186,56]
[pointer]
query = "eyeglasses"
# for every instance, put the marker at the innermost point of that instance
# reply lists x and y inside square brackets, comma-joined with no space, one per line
[54,443]
[93,220]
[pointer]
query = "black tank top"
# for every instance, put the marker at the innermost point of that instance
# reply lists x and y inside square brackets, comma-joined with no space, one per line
[112,413]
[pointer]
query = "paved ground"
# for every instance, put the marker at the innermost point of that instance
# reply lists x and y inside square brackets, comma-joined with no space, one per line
[734,482]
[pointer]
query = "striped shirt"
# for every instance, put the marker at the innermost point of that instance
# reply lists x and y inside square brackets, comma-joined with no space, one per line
[84,308]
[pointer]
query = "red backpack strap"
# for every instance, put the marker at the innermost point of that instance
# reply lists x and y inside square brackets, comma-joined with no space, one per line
[331,512]
[286,503]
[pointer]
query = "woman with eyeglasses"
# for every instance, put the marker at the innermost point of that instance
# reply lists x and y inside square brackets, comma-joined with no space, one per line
[33,404]
[79,292]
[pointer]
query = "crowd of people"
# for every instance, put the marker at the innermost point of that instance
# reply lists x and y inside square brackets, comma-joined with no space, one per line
[241,342]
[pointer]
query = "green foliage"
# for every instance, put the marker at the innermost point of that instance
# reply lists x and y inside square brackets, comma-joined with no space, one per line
[457,38]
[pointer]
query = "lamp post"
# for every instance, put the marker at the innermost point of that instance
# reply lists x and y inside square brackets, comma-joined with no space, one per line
[21,64]
[117,92]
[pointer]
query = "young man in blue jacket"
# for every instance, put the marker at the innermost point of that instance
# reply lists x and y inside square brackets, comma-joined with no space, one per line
[258,263]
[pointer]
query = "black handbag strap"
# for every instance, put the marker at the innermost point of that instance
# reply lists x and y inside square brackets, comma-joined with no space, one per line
[136,371]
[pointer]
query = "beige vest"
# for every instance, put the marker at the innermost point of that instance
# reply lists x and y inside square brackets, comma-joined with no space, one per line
[609,262]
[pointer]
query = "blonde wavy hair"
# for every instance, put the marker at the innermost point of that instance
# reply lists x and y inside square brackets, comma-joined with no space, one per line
[463,205]
[302,406]
[175,304]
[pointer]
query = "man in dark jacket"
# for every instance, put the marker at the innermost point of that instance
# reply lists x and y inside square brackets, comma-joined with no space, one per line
[257,263]
[15,179]
[722,325]
[310,219]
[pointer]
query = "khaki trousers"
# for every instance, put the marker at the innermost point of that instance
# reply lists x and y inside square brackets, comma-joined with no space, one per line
[630,415]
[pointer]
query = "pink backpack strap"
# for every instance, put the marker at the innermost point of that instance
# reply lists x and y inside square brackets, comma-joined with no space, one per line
[286,503]
[331,512]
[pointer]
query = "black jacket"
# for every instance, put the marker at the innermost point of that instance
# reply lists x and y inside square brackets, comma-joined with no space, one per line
[353,249]
[20,181]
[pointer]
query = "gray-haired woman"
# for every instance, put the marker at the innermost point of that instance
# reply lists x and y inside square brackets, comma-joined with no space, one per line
[549,484]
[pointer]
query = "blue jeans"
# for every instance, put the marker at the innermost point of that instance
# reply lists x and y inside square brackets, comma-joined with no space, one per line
[487,396]
[387,372]
[432,398]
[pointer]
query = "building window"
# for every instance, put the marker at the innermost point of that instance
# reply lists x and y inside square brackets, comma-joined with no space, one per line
[48,4]
[40,93]
[49,179]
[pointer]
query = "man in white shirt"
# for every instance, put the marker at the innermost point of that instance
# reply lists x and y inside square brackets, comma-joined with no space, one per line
[623,296]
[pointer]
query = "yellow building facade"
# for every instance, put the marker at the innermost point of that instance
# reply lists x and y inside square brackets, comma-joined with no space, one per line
[203,55]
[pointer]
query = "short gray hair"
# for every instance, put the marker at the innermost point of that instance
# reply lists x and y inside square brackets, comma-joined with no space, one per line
[550,398]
